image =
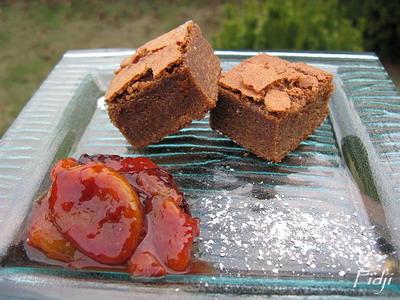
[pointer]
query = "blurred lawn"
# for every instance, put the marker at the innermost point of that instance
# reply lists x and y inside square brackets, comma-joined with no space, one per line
[35,34]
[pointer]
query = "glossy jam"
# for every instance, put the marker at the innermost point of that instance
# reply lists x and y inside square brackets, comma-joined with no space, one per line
[97,209]
[168,242]
[109,210]
[145,176]
[45,236]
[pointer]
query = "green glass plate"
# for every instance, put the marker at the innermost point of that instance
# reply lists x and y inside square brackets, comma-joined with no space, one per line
[323,222]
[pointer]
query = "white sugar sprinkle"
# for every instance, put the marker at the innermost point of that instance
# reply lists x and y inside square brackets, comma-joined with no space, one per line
[271,235]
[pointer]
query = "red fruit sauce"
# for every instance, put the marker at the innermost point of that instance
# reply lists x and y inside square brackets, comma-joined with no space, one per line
[106,211]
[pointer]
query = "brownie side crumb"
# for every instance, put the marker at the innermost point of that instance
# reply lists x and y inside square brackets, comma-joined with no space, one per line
[297,127]
[268,138]
[204,66]
[245,123]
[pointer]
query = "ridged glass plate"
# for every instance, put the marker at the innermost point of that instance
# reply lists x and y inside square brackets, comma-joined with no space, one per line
[307,226]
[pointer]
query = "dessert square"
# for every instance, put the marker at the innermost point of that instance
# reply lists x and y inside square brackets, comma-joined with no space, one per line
[269,105]
[167,83]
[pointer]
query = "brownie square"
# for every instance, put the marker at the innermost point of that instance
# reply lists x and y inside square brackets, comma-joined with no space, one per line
[269,105]
[167,83]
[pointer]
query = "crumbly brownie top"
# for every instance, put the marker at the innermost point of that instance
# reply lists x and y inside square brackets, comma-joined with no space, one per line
[151,59]
[276,83]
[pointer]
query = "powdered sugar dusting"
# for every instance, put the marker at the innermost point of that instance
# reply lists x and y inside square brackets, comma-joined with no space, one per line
[242,234]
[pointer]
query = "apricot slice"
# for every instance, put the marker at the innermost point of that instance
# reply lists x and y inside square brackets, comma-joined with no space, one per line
[143,174]
[154,183]
[96,209]
[173,234]
[145,264]
[168,241]
[62,165]
[44,236]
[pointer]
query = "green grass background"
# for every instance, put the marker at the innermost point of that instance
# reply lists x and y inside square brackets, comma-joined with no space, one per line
[35,34]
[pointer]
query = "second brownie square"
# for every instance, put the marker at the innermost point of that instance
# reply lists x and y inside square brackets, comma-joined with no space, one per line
[269,105]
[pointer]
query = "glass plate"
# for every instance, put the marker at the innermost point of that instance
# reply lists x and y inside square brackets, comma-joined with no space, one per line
[319,223]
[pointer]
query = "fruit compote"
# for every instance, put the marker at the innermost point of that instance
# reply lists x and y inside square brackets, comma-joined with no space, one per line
[106,211]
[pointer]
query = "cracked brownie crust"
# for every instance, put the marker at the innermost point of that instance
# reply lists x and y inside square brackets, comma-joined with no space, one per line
[167,83]
[269,105]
